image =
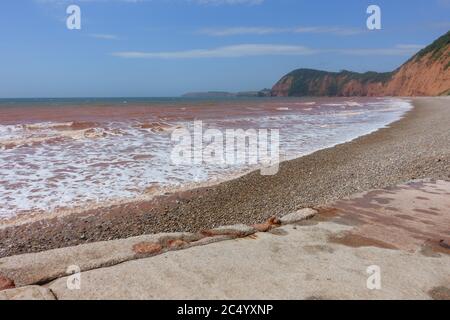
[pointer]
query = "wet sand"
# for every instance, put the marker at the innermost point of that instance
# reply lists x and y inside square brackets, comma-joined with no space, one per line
[418,146]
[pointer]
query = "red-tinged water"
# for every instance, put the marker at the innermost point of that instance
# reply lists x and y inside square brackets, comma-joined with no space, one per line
[67,153]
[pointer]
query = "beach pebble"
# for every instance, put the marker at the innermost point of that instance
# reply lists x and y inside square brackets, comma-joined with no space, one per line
[298,216]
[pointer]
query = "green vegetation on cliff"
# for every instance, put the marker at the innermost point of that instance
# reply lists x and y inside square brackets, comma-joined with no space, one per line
[437,48]
[431,63]
[308,81]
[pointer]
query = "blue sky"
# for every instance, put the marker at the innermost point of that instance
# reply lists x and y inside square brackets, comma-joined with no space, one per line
[168,47]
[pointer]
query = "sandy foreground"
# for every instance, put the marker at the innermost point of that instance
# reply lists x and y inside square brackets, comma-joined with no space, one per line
[388,243]
[417,146]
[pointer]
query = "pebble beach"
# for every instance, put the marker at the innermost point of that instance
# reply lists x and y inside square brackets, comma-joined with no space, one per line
[415,147]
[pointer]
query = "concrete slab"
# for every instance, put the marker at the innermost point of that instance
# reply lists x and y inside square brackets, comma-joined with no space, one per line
[36,268]
[27,293]
[402,232]
[414,216]
[299,263]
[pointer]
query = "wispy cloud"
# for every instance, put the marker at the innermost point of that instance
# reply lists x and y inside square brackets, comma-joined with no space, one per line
[72,1]
[229,2]
[233,31]
[201,2]
[398,50]
[247,50]
[341,31]
[444,3]
[445,24]
[104,36]
[240,31]
[243,50]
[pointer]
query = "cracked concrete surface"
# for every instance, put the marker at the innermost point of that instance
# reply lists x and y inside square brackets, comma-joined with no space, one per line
[404,230]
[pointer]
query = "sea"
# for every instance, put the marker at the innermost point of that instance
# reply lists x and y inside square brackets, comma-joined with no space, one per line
[63,154]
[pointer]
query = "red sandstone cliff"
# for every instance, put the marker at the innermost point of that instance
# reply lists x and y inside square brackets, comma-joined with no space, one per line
[425,74]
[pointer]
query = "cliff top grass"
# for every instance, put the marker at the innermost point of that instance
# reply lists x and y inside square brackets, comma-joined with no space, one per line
[370,76]
[307,81]
[437,48]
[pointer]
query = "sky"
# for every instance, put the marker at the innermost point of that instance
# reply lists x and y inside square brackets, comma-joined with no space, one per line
[158,48]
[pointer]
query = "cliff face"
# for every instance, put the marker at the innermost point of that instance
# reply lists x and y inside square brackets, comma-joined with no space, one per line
[428,75]
[307,82]
[425,74]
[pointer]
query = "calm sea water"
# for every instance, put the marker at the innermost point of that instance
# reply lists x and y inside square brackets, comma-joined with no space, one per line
[65,153]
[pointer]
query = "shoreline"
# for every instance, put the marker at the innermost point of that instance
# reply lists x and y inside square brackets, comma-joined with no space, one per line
[150,195]
[416,146]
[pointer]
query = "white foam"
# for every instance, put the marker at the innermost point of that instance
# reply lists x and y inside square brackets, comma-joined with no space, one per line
[121,160]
